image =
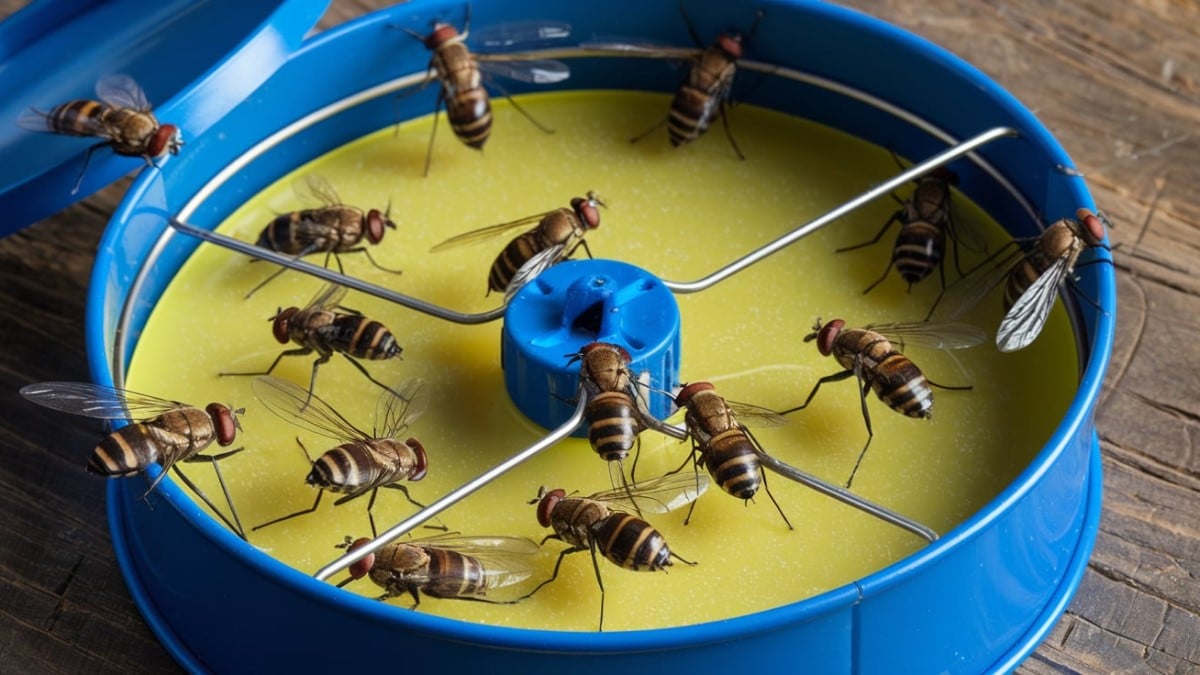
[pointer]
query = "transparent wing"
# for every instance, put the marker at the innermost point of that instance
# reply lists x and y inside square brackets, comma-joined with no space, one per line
[968,232]
[513,35]
[399,408]
[1024,321]
[121,91]
[305,410]
[329,295]
[536,264]
[505,560]
[316,189]
[931,335]
[962,296]
[536,71]
[488,232]
[754,415]
[34,120]
[657,495]
[98,401]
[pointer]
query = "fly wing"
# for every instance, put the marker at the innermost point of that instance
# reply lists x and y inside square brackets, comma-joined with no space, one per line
[397,408]
[932,335]
[34,120]
[316,188]
[504,560]
[1024,321]
[755,415]
[657,495]
[538,263]
[305,410]
[488,232]
[961,297]
[122,91]
[97,401]
[330,295]
[535,71]
[519,35]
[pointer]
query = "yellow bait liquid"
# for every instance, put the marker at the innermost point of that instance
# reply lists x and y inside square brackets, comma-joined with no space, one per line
[679,213]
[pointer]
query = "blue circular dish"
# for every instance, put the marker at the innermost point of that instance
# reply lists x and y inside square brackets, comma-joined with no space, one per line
[979,599]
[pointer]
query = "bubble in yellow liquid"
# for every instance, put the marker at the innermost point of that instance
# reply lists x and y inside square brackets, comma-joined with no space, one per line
[679,213]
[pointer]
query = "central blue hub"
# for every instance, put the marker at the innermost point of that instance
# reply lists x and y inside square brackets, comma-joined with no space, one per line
[575,303]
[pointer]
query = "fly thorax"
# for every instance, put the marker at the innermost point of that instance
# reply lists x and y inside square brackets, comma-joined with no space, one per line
[402,558]
[860,345]
[1060,240]
[574,518]
[711,415]
[134,130]
[931,200]
[350,227]
[192,425]
[397,455]
[559,227]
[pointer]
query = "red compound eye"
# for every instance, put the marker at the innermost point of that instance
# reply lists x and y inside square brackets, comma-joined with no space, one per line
[375,226]
[360,568]
[224,423]
[546,505]
[418,472]
[1093,226]
[280,329]
[165,140]
[828,336]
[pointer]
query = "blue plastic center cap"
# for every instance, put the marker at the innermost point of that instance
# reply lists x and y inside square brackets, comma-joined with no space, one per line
[575,303]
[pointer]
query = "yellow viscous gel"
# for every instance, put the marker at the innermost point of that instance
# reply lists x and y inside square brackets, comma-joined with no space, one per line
[679,213]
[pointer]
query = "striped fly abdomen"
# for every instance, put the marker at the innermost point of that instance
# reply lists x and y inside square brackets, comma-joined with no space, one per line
[361,337]
[895,379]
[452,574]
[631,543]
[613,425]
[918,250]
[733,464]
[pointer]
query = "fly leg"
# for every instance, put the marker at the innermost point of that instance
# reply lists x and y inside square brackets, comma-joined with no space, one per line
[557,565]
[599,581]
[864,387]
[361,369]
[518,108]
[236,525]
[696,457]
[763,475]
[364,251]
[237,528]
[311,248]
[419,505]
[437,109]
[616,474]
[290,352]
[874,240]
[87,157]
[649,131]
[315,504]
[836,377]
[728,131]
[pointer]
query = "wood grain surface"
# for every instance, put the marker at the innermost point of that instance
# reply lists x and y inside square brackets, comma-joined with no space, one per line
[1118,83]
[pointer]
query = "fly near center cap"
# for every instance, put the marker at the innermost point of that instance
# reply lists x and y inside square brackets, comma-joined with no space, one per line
[575,303]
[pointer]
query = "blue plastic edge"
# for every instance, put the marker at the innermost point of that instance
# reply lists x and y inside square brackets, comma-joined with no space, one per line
[1079,413]
[192,105]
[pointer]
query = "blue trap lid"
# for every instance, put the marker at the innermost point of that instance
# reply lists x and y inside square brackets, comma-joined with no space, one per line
[195,59]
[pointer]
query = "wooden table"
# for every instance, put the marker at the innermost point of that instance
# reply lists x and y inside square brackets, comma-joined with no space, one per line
[1117,81]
